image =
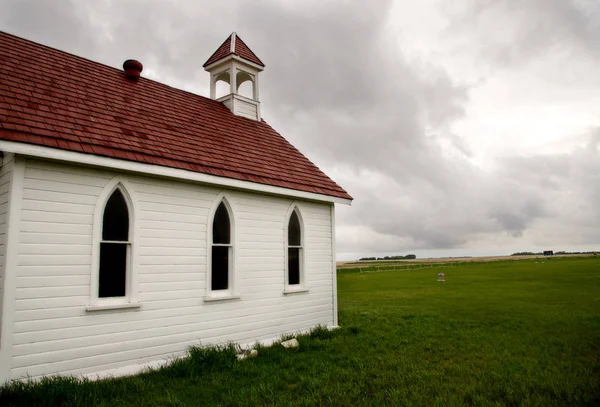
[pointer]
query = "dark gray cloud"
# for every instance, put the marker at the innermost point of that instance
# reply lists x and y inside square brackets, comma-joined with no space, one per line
[515,32]
[337,86]
[555,196]
[66,26]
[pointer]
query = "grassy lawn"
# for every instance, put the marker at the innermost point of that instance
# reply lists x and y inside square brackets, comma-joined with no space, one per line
[500,333]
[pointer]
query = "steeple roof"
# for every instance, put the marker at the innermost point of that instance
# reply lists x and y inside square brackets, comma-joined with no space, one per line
[234,45]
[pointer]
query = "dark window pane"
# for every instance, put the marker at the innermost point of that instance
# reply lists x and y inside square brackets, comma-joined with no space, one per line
[115,224]
[113,267]
[293,266]
[220,268]
[294,230]
[221,230]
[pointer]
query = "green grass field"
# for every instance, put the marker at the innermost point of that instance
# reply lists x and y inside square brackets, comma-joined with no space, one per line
[494,334]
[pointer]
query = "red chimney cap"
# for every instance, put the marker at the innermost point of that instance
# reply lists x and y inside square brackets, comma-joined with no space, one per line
[132,68]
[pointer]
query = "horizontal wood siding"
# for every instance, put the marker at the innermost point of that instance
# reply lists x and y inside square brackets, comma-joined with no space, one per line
[246,109]
[5,177]
[53,333]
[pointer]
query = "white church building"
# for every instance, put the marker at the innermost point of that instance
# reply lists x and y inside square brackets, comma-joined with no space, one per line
[137,219]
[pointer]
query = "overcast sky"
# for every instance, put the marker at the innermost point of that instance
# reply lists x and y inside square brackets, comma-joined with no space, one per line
[469,127]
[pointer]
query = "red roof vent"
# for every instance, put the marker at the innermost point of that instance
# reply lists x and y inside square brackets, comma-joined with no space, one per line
[132,68]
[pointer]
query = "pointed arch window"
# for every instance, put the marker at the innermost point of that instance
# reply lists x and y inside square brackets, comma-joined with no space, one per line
[295,261]
[222,250]
[115,247]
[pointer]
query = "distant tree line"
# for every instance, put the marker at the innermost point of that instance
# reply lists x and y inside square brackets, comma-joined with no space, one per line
[541,253]
[407,257]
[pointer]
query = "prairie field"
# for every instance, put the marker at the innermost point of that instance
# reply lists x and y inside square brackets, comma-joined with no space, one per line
[502,333]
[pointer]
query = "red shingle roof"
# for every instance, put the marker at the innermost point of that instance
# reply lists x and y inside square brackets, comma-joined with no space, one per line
[55,99]
[239,48]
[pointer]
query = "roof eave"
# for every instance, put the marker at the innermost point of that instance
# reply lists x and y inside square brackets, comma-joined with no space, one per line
[49,153]
[237,58]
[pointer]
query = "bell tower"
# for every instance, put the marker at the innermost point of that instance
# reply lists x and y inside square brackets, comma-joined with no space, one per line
[234,63]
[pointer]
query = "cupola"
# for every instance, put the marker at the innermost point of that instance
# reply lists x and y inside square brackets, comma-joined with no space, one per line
[234,63]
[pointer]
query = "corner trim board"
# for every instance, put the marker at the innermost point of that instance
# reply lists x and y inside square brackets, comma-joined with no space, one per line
[334,267]
[11,266]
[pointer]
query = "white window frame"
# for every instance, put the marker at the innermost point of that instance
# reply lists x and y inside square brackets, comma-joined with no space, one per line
[230,293]
[302,286]
[130,299]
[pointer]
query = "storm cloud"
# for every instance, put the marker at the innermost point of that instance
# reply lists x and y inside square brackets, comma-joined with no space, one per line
[417,136]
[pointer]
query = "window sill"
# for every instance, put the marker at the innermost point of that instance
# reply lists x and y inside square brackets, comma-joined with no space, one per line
[217,298]
[295,290]
[106,307]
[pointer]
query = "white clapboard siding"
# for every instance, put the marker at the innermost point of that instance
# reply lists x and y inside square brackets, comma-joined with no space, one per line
[176,242]
[68,198]
[246,109]
[39,349]
[184,316]
[47,270]
[51,292]
[150,353]
[159,317]
[54,281]
[49,303]
[153,270]
[110,347]
[53,332]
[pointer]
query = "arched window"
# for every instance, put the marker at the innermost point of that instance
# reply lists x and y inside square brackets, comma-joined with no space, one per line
[115,247]
[294,251]
[222,250]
